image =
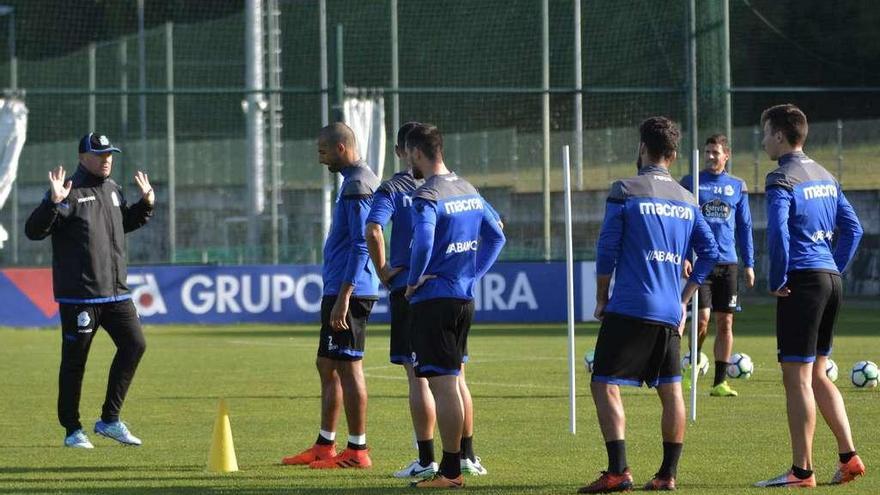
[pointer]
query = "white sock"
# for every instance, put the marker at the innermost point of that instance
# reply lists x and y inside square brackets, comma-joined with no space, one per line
[357,439]
[327,435]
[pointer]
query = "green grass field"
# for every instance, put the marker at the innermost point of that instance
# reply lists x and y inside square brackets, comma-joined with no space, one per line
[518,376]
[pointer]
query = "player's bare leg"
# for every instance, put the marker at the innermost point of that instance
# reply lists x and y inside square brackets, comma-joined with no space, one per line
[450,419]
[331,393]
[801,408]
[723,348]
[831,406]
[421,405]
[354,400]
[672,425]
[470,463]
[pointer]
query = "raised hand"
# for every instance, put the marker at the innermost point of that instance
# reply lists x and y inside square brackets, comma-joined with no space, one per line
[143,182]
[58,188]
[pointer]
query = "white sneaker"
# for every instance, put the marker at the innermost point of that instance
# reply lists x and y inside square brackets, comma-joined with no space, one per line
[117,431]
[416,470]
[78,440]
[473,468]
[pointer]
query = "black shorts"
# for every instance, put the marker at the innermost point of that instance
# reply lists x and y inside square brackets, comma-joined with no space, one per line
[439,335]
[805,319]
[630,351]
[401,347]
[345,345]
[719,290]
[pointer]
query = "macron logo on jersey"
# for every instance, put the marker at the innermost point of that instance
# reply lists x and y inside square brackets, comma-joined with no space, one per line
[461,205]
[666,210]
[820,191]
[461,247]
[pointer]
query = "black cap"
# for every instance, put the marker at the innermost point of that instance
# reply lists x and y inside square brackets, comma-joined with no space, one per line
[97,143]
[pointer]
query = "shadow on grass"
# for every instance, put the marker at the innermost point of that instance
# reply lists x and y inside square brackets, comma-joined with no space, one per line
[95,469]
[360,490]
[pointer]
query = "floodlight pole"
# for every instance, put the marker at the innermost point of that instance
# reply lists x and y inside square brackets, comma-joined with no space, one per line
[545,118]
[326,185]
[725,75]
[578,100]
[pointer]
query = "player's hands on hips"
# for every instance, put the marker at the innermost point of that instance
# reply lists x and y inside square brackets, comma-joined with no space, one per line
[783,292]
[338,313]
[143,182]
[750,277]
[687,268]
[599,313]
[411,289]
[386,273]
[58,187]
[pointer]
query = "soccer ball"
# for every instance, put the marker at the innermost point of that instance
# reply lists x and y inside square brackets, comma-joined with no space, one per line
[741,366]
[702,365]
[864,374]
[831,370]
[588,360]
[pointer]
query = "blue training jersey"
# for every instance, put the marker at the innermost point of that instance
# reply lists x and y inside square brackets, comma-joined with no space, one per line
[346,258]
[651,224]
[805,207]
[393,202]
[724,201]
[456,238]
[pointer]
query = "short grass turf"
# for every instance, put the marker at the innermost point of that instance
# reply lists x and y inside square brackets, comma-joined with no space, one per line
[518,376]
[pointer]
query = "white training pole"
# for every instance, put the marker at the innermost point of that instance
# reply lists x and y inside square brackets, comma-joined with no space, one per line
[569,285]
[695,313]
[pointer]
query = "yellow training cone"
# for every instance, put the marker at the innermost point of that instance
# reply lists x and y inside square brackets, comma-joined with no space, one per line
[221,458]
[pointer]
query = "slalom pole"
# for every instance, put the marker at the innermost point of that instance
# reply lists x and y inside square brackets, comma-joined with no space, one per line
[695,312]
[569,285]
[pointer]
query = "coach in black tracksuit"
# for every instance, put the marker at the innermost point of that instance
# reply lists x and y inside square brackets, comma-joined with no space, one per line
[87,217]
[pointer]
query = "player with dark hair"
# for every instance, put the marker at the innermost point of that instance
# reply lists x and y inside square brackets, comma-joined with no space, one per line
[806,209]
[724,201]
[456,239]
[651,224]
[392,203]
[351,287]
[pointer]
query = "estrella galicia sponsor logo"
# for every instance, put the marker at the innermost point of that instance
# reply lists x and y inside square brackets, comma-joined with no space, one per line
[716,209]
[663,256]
[666,210]
[820,191]
[462,205]
[822,235]
[461,247]
[146,295]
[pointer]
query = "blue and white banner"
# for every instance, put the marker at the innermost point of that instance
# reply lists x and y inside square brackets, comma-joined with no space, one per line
[509,293]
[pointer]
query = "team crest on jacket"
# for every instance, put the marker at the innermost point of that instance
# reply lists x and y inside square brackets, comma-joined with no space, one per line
[115,198]
[83,320]
[728,190]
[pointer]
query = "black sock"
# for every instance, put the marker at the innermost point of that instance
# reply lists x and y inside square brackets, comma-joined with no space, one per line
[799,473]
[354,446]
[323,441]
[450,466]
[671,454]
[467,448]
[426,451]
[616,456]
[846,456]
[720,372]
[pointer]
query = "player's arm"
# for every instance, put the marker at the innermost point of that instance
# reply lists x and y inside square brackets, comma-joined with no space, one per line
[46,217]
[491,240]
[379,216]
[493,213]
[138,214]
[609,246]
[778,238]
[706,249]
[744,239]
[849,233]
[357,207]
[424,222]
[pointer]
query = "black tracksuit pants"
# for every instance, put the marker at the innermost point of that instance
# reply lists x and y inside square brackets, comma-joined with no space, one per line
[79,322]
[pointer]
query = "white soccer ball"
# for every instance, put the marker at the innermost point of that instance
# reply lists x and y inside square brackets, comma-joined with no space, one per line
[702,365]
[831,370]
[865,374]
[588,360]
[741,366]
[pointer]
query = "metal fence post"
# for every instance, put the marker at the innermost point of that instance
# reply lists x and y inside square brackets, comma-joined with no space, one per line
[170,141]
